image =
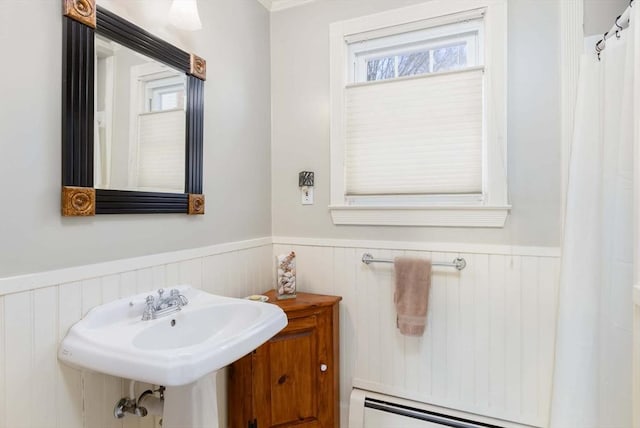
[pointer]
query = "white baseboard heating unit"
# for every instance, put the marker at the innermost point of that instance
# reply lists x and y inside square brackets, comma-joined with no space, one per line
[373,410]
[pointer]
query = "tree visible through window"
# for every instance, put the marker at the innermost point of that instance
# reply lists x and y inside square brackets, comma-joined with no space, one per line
[444,58]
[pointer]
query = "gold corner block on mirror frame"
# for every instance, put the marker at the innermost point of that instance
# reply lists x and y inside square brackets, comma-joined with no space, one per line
[198,67]
[78,201]
[83,11]
[196,204]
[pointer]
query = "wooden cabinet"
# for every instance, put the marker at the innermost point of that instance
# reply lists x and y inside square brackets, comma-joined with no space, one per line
[292,380]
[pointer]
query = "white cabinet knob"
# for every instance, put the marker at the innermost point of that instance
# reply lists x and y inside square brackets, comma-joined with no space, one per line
[323,367]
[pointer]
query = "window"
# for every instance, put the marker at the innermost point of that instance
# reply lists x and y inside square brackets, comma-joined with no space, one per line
[164,94]
[414,53]
[157,140]
[418,129]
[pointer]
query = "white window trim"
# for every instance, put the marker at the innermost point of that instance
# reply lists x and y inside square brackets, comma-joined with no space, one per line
[493,209]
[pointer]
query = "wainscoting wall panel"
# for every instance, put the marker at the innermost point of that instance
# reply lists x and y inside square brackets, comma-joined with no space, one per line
[487,350]
[636,355]
[37,391]
[488,346]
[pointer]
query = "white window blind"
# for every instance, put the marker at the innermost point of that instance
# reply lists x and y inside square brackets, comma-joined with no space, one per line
[415,136]
[161,150]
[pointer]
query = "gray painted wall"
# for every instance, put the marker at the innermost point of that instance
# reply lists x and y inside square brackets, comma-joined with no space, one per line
[240,198]
[33,235]
[300,125]
[599,15]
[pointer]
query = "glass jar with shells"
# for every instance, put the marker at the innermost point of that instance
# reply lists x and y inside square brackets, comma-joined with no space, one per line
[286,276]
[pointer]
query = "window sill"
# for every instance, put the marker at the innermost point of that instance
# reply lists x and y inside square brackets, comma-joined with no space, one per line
[437,216]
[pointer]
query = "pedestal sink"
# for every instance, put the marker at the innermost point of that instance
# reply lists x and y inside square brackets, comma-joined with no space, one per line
[177,351]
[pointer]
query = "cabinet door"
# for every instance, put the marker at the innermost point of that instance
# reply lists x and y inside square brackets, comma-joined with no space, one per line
[239,397]
[287,371]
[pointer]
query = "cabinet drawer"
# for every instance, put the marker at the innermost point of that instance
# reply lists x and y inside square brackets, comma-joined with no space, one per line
[297,325]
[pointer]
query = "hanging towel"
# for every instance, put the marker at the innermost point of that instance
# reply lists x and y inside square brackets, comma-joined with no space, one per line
[413,279]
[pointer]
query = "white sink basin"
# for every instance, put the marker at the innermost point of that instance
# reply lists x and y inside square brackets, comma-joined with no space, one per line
[207,334]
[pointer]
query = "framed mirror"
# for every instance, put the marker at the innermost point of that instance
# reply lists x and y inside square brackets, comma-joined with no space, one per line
[132,115]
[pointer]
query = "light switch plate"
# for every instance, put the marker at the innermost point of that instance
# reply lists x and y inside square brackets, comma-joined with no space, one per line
[306,193]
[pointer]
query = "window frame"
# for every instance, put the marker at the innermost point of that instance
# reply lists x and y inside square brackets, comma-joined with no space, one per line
[492,208]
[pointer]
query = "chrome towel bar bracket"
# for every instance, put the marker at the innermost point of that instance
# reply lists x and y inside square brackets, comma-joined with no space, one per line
[459,263]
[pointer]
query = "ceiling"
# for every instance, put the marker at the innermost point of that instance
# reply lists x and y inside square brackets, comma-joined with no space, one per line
[275,5]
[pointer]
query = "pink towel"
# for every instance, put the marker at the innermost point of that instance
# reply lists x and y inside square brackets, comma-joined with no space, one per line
[413,279]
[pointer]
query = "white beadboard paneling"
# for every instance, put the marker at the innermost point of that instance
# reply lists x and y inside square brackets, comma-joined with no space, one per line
[437,325]
[267,268]
[454,333]
[19,359]
[128,284]
[69,397]
[236,275]
[91,294]
[28,282]
[467,332]
[172,274]
[482,336]
[112,392]
[393,365]
[45,347]
[95,403]
[243,274]
[39,316]
[548,274]
[251,271]
[461,362]
[636,354]
[213,275]
[226,279]
[488,345]
[497,333]
[529,330]
[343,262]
[110,288]
[145,282]
[191,272]
[3,376]
[513,325]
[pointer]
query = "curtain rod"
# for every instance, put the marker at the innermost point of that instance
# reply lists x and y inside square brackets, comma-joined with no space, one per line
[621,23]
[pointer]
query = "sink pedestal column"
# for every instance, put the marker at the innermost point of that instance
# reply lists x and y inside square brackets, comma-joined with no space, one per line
[192,406]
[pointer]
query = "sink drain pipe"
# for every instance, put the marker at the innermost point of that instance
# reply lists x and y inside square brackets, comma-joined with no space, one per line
[147,404]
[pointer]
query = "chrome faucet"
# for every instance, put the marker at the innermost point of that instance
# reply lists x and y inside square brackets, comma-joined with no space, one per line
[163,305]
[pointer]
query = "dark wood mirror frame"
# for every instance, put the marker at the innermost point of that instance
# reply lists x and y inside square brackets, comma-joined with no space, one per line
[81,21]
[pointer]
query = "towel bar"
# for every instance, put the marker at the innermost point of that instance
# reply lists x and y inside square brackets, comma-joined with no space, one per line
[458,263]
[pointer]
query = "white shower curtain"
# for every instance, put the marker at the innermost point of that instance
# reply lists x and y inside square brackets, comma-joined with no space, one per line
[593,364]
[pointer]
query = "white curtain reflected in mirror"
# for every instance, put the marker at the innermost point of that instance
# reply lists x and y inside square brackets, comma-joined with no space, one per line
[140,122]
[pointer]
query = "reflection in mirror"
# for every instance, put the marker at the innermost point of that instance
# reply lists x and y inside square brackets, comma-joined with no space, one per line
[139,123]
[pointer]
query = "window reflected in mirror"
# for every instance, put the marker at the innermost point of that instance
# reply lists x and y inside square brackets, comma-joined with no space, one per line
[140,121]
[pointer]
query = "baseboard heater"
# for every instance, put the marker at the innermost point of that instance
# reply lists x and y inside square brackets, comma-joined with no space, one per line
[373,410]
[438,419]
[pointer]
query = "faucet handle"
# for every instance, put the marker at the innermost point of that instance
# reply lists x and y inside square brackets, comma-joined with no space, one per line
[175,293]
[160,292]
[147,314]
